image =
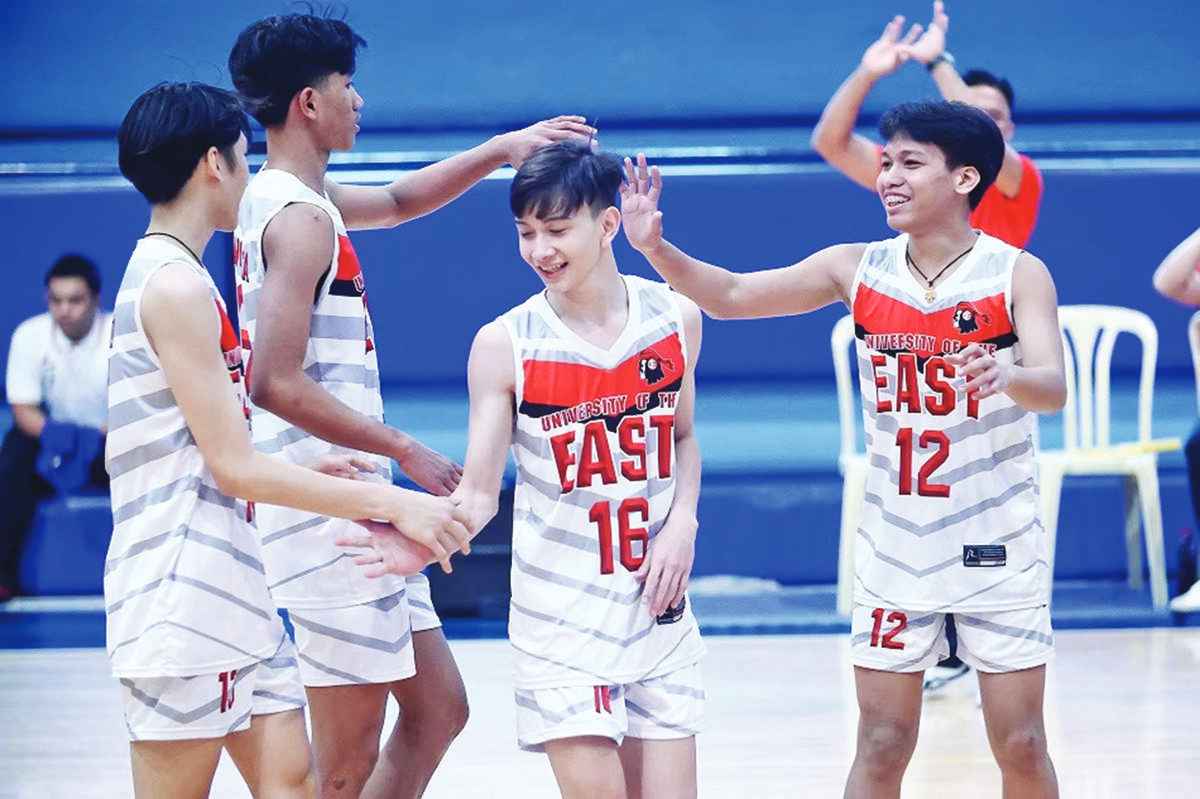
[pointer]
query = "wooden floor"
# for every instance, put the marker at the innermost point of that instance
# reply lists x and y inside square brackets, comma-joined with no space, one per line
[1123,711]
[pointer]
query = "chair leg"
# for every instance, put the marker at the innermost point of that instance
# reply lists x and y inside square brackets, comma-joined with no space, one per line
[1147,483]
[1133,531]
[854,484]
[1050,479]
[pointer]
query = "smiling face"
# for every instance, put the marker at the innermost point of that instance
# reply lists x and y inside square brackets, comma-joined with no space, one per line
[564,249]
[916,187]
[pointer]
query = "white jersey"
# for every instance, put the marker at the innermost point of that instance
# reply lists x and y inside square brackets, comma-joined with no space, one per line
[594,447]
[184,588]
[950,521]
[304,567]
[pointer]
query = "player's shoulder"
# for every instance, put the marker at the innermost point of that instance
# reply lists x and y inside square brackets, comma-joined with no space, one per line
[175,284]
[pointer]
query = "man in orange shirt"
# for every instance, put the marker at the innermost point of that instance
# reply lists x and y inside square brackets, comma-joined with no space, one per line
[1010,207]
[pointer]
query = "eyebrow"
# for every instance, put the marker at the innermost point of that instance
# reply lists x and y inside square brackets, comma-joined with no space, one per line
[902,153]
[561,218]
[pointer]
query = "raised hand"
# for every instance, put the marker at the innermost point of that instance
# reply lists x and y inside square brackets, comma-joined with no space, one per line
[887,53]
[933,43]
[432,471]
[520,144]
[639,205]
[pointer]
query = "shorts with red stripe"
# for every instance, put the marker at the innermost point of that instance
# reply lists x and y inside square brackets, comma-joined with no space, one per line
[656,708]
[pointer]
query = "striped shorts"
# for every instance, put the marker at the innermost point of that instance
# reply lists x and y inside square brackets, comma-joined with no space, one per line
[367,643]
[656,708]
[887,639]
[212,705]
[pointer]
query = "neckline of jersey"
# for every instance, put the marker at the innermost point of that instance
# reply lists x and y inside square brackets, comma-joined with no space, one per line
[605,355]
[955,275]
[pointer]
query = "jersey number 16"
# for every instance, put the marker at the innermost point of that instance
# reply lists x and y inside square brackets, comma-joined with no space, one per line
[601,514]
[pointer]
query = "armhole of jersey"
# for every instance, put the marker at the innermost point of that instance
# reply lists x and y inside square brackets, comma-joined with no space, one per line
[1008,295]
[137,307]
[858,275]
[518,365]
[677,313]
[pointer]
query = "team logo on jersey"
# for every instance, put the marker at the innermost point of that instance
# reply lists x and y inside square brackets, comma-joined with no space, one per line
[652,368]
[967,318]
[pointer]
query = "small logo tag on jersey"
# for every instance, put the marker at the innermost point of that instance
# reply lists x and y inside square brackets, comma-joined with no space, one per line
[672,615]
[984,555]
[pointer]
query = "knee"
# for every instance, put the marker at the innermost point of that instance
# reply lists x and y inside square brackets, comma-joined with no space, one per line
[886,744]
[443,717]
[1022,750]
[347,772]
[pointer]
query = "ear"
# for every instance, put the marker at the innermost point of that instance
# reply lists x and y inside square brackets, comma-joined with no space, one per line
[966,179]
[610,222]
[213,163]
[305,102]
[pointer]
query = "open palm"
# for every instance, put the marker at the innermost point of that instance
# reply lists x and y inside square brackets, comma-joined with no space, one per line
[639,204]
[887,53]
[933,43]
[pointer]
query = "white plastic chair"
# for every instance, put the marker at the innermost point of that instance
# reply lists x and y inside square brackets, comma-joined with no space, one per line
[1089,335]
[852,461]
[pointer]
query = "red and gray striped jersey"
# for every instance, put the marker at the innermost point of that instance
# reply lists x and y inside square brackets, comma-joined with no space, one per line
[304,567]
[950,520]
[184,587]
[593,442]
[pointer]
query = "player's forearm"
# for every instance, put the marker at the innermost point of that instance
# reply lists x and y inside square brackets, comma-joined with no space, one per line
[1041,389]
[428,189]
[711,287]
[949,83]
[1176,275]
[832,134]
[301,401]
[259,478]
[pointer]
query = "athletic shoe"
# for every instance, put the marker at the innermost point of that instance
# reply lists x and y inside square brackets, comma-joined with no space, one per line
[1188,602]
[938,677]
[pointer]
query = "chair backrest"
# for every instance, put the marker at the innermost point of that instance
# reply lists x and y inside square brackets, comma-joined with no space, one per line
[841,342]
[1089,335]
[1194,341]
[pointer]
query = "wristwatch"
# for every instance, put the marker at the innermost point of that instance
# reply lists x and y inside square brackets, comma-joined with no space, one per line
[945,57]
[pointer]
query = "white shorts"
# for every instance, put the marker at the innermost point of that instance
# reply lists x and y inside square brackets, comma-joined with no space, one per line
[996,642]
[362,644]
[211,705]
[657,708]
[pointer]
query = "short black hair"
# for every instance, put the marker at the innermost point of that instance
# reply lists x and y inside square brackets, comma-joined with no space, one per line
[965,135]
[170,128]
[560,178]
[278,56]
[74,265]
[981,77]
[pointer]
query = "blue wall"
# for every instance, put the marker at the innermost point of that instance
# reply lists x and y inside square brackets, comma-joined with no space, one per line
[436,280]
[75,63]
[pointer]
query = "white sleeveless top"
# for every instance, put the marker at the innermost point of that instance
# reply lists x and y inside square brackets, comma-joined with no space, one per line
[950,521]
[594,447]
[304,567]
[184,588]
